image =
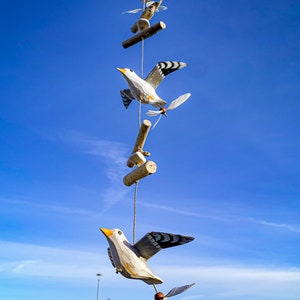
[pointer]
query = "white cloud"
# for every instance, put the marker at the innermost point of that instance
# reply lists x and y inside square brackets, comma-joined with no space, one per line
[23,264]
[226,217]
[222,281]
[184,212]
[45,208]
[113,154]
[226,282]
[193,297]
[29,260]
[276,225]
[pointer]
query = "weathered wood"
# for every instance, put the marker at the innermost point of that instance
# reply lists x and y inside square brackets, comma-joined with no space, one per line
[137,158]
[140,141]
[144,34]
[144,170]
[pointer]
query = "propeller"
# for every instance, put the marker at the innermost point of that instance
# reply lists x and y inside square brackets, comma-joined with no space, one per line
[163,111]
[173,292]
[148,3]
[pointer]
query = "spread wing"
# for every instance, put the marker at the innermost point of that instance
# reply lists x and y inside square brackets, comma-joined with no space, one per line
[161,70]
[153,242]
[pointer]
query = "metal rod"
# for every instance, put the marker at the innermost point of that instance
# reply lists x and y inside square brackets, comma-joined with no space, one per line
[98,285]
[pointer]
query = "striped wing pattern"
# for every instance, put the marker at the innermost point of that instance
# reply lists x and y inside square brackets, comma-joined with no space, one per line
[153,242]
[161,70]
[127,97]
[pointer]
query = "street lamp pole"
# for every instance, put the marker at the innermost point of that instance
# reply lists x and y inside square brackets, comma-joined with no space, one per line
[98,285]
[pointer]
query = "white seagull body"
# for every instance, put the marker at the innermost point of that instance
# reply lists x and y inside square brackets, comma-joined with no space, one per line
[131,260]
[144,90]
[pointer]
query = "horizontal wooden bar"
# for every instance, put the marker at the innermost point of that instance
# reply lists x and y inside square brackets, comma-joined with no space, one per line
[145,34]
[140,172]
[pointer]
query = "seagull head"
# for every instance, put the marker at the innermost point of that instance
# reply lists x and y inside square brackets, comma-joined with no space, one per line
[107,232]
[129,74]
[123,71]
[114,235]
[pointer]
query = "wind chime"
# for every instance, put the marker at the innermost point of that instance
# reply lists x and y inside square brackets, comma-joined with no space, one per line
[128,259]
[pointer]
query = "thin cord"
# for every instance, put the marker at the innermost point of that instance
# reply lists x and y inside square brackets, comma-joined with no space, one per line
[142,71]
[139,122]
[134,212]
[142,76]
[142,61]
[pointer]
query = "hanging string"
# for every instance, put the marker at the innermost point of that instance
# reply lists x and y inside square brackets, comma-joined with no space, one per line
[142,60]
[142,71]
[139,122]
[134,211]
[142,76]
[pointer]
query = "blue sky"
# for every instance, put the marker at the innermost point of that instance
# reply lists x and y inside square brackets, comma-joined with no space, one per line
[228,168]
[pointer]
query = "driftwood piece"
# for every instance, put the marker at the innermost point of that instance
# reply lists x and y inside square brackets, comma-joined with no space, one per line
[136,158]
[144,34]
[140,141]
[144,170]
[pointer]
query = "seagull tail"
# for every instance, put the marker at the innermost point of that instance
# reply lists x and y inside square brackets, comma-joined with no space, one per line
[127,97]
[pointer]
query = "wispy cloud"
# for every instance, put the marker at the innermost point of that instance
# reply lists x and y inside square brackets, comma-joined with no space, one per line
[29,260]
[225,217]
[184,212]
[276,225]
[45,208]
[193,297]
[113,155]
[227,282]
[23,264]
[223,281]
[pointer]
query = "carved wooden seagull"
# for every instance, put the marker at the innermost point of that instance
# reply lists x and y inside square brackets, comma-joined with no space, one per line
[131,260]
[144,90]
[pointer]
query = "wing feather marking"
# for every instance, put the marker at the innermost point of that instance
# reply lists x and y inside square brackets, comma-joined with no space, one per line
[153,242]
[161,70]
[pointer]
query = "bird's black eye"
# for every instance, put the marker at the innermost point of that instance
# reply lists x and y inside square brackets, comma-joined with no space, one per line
[130,70]
[119,232]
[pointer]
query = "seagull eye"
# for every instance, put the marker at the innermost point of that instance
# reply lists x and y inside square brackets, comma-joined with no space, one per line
[119,232]
[130,70]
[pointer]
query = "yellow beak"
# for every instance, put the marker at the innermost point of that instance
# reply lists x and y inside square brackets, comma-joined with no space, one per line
[106,232]
[121,70]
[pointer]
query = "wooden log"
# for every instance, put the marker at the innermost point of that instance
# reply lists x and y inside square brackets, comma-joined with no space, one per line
[144,170]
[140,141]
[137,158]
[144,34]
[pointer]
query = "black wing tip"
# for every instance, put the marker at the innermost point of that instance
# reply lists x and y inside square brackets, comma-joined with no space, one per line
[125,98]
[172,239]
[189,238]
[173,62]
[167,67]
